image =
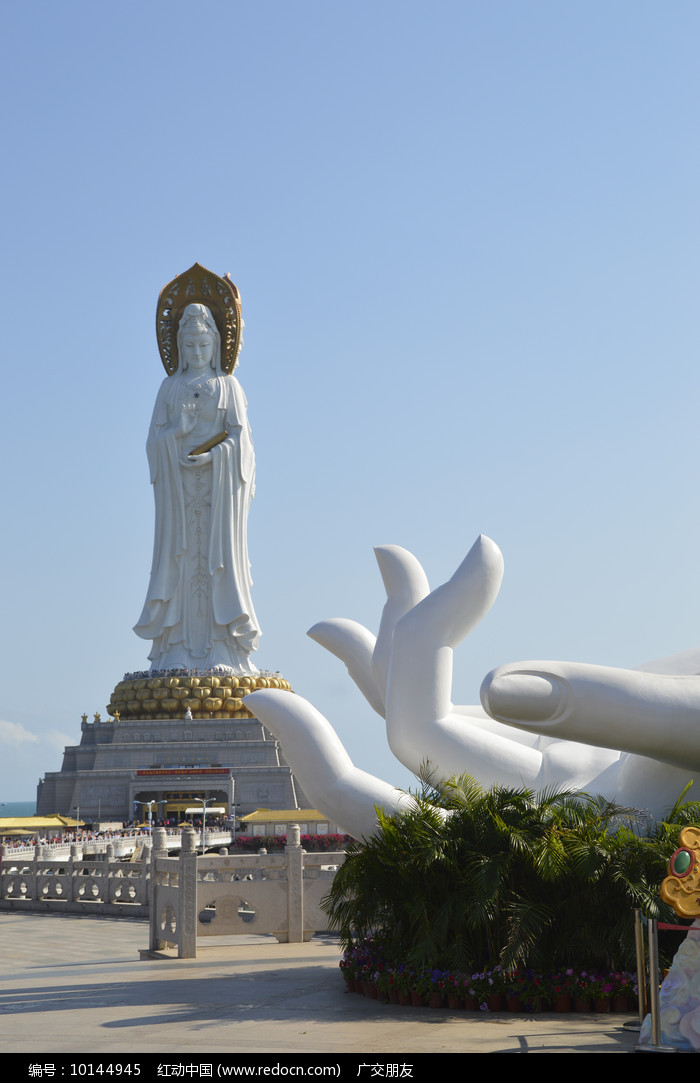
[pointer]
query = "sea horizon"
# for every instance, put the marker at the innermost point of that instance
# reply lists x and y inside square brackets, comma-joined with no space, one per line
[17,808]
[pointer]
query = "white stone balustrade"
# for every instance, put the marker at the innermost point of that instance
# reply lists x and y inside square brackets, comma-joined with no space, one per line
[228,895]
[72,885]
[187,896]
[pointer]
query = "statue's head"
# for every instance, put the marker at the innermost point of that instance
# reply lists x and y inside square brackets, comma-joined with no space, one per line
[198,340]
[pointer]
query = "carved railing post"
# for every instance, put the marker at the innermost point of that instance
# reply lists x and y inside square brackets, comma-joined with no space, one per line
[145,870]
[4,862]
[159,850]
[295,885]
[187,898]
[107,894]
[76,855]
[33,878]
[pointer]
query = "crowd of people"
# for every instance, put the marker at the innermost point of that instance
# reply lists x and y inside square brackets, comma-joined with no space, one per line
[127,831]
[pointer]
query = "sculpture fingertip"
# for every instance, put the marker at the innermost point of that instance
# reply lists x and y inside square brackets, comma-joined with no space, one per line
[401,572]
[487,546]
[484,554]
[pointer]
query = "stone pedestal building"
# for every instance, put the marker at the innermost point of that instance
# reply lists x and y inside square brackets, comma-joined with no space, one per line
[120,764]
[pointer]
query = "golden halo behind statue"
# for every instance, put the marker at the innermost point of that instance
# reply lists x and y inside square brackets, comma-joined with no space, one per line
[200,286]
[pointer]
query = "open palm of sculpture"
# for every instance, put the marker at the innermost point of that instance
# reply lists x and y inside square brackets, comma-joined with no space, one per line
[631,735]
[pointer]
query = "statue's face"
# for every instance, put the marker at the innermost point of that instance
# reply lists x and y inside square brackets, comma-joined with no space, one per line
[197,348]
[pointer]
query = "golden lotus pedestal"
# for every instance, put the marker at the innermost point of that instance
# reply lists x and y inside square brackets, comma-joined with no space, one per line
[207,696]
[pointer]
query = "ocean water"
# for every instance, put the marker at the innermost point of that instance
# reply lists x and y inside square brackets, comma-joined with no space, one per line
[17,808]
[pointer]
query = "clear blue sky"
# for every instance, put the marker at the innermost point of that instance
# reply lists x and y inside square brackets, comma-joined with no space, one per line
[467,239]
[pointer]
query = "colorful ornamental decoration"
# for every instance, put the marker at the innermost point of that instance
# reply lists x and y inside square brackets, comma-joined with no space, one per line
[206,696]
[203,287]
[681,888]
[679,995]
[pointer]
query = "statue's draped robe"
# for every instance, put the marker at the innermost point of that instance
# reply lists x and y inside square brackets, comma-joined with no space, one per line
[167,615]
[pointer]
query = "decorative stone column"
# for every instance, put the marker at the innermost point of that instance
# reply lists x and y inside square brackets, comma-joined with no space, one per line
[159,850]
[295,886]
[187,897]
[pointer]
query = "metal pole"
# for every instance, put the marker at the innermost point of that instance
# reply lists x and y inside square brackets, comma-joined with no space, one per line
[205,802]
[654,981]
[655,1045]
[149,805]
[641,973]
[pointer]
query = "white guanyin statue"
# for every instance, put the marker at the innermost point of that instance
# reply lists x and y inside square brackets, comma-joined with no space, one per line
[198,611]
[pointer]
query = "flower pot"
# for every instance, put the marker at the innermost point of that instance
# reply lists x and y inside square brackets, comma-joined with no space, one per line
[370,990]
[404,998]
[393,996]
[561,1002]
[454,1002]
[582,1004]
[417,999]
[471,1004]
[435,1000]
[514,1004]
[602,1004]
[495,1002]
[621,1004]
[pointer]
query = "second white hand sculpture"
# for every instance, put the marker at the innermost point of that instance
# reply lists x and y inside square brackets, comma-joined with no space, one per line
[637,733]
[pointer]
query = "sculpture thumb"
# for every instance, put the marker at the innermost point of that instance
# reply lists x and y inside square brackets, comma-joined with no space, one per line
[652,715]
[317,757]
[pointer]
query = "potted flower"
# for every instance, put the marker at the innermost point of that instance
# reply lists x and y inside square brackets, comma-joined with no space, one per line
[404,980]
[436,988]
[601,991]
[490,986]
[419,988]
[388,985]
[514,990]
[534,991]
[561,989]
[624,991]
[582,991]
[455,990]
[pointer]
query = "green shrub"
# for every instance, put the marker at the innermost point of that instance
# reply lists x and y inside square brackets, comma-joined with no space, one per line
[472,877]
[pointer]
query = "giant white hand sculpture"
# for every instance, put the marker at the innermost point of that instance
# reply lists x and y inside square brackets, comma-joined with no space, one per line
[406,675]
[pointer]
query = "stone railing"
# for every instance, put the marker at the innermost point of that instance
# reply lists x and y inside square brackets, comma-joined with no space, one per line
[71,885]
[186,897]
[123,845]
[193,896]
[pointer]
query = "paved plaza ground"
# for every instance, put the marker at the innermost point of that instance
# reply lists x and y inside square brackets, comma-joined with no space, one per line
[73,984]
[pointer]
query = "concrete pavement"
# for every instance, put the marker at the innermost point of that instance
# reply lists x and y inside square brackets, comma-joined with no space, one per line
[75,984]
